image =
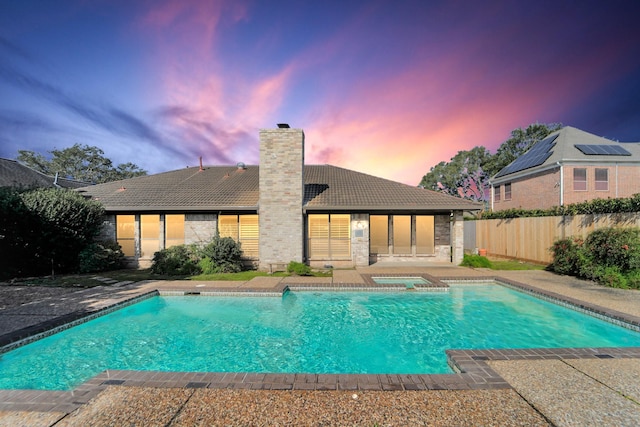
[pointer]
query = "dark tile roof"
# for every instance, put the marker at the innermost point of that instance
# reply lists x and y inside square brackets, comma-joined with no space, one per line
[190,189]
[565,149]
[217,188]
[14,174]
[331,187]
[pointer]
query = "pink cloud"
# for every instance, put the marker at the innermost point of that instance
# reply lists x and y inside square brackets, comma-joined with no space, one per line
[220,109]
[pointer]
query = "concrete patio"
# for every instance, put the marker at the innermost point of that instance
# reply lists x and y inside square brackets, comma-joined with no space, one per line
[509,387]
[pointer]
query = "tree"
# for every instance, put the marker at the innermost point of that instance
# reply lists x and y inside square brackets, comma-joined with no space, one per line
[80,162]
[467,174]
[519,142]
[463,176]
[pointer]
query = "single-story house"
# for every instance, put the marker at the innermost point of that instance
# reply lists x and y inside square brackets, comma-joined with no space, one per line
[284,210]
[568,166]
[17,175]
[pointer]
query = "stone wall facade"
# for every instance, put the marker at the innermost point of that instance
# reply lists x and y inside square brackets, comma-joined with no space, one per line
[457,237]
[281,196]
[360,240]
[200,228]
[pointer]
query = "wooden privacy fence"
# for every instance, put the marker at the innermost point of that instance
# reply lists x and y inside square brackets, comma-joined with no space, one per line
[529,239]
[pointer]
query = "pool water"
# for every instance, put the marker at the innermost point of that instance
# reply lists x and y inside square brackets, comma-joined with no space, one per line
[408,282]
[304,332]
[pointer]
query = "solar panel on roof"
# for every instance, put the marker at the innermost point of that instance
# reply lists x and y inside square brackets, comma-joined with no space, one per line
[602,150]
[535,156]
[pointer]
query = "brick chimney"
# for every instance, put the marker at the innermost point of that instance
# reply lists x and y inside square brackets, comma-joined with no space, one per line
[281,196]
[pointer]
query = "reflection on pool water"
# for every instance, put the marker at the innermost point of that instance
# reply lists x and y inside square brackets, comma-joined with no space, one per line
[408,282]
[305,332]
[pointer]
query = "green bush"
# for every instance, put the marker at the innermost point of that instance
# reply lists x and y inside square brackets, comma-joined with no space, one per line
[633,279]
[43,231]
[19,235]
[566,256]
[475,261]
[101,256]
[612,277]
[299,269]
[595,206]
[609,256]
[615,247]
[179,260]
[223,255]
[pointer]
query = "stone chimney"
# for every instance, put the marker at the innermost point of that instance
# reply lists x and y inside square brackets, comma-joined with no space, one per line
[281,196]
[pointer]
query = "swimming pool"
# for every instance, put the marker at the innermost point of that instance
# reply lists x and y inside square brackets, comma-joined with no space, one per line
[304,332]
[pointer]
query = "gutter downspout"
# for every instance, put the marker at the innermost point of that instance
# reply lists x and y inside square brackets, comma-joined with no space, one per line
[492,194]
[616,180]
[561,183]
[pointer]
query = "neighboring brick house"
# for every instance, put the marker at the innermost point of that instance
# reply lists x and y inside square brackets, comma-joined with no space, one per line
[569,166]
[284,211]
[16,175]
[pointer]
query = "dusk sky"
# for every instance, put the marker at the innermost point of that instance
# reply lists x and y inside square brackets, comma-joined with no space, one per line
[389,88]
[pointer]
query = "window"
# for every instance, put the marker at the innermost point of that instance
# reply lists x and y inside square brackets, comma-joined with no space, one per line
[402,234]
[579,179]
[602,179]
[149,235]
[329,236]
[379,234]
[174,230]
[243,229]
[249,234]
[425,234]
[406,230]
[496,193]
[507,191]
[125,233]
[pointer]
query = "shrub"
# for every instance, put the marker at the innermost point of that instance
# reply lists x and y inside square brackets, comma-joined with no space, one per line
[224,255]
[298,268]
[633,279]
[609,256]
[566,256]
[595,206]
[180,260]
[101,256]
[66,224]
[612,277]
[475,261]
[18,235]
[615,247]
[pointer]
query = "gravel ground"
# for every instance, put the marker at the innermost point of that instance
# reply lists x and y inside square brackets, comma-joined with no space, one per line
[29,419]
[623,375]
[569,396]
[207,407]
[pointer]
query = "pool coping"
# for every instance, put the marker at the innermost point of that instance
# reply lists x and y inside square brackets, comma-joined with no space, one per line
[471,368]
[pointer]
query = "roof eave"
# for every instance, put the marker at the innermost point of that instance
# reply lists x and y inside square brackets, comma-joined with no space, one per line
[179,208]
[415,208]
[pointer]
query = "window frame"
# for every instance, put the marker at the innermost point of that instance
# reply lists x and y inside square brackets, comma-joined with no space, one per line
[171,238]
[496,193]
[126,233]
[328,236]
[604,187]
[580,181]
[243,231]
[507,192]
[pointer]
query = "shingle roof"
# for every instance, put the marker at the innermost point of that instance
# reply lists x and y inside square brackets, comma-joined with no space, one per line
[217,188]
[14,174]
[331,187]
[190,189]
[564,150]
